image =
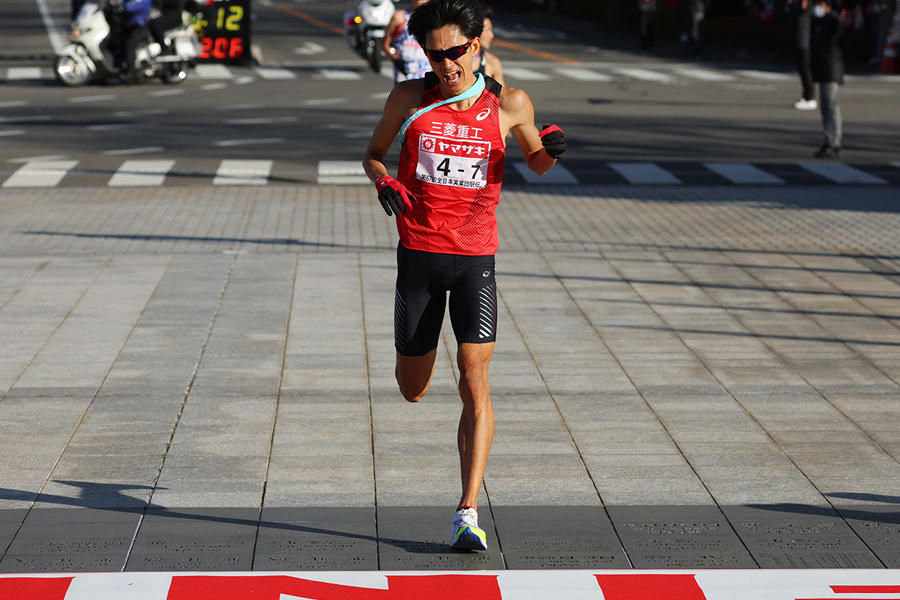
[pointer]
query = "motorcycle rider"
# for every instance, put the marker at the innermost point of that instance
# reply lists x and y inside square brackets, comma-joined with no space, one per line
[405,52]
[169,18]
[133,17]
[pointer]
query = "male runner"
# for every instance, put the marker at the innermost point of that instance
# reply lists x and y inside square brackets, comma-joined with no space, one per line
[444,199]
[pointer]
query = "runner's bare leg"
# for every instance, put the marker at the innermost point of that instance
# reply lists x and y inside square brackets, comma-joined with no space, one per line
[413,375]
[476,424]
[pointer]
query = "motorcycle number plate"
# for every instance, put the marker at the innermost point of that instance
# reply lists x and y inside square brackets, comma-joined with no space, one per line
[451,162]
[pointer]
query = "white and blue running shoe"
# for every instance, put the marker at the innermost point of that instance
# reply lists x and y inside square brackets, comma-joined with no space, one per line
[464,533]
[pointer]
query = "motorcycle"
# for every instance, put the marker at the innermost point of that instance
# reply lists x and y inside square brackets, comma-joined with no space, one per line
[364,29]
[89,56]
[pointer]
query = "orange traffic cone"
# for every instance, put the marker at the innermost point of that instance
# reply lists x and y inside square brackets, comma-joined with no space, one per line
[890,64]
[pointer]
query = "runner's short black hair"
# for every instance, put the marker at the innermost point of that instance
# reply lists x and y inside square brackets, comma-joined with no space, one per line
[488,11]
[434,14]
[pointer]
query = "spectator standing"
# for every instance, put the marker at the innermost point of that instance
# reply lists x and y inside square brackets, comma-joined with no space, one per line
[828,71]
[646,10]
[404,51]
[696,13]
[801,21]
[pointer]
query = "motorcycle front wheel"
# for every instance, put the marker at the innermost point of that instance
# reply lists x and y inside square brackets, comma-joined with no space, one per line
[373,55]
[70,71]
[174,75]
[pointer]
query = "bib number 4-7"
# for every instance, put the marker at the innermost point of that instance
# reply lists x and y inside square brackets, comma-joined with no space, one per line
[457,163]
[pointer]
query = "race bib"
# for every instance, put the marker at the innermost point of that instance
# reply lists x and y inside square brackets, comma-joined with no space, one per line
[457,163]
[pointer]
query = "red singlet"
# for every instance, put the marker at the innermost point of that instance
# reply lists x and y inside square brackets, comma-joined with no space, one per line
[452,162]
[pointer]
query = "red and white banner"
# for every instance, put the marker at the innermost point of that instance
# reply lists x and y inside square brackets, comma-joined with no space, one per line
[848,584]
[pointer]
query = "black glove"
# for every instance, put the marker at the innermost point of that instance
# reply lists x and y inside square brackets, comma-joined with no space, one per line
[393,195]
[554,140]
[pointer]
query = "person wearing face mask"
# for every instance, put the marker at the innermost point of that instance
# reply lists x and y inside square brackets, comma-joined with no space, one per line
[827,63]
[452,127]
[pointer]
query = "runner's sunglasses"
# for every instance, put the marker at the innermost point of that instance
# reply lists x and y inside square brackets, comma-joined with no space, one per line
[450,53]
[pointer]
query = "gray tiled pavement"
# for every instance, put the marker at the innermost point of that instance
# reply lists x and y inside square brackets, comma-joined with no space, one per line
[685,377]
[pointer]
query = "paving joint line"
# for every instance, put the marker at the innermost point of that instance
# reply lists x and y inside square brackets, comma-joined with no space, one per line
[365,340]
[709,370]
[287,334]
[184,401]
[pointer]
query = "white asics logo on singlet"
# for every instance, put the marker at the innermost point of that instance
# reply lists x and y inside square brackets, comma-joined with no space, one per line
[483,115]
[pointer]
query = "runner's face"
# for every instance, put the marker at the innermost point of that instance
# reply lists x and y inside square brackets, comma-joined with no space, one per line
[455,76]
[487,36]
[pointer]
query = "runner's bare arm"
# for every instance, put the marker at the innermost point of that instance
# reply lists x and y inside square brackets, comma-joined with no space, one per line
[393,26]
[517,115]
[399,106]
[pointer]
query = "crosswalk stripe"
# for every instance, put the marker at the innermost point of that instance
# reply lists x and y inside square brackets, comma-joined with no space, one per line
[274,73]
[40,173]
[341,172]
[557,175]
[20,73]
[212,71]
[704,74]
[743,173]
[524,74]
[583,74]
[338,74]
[141,173]
[764,75]
[644,172]
[11,132]
[644,75]
[243,172]
[841,173]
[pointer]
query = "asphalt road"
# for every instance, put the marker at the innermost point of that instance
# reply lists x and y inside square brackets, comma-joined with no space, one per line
[311,99]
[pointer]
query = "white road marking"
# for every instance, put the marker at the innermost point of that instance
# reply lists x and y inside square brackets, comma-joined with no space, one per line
[645,75]
[341,172]
[89,99]
[743,173]
[583,74]
[765,75]
[162,93]
[274,73]
[323,101]
[644,173]
[141,173]
[840,172]
[703,74]
[209,87]
[11,132]
[244,80]
[338,74]
[20,73]
[212,71]
[56,33]
[524,74]
[558,174]
[247,142]
[310,49]
[132,151]
[243,172]
[114,126]
[26,119]
[261,121]
[12,103]
[40,174]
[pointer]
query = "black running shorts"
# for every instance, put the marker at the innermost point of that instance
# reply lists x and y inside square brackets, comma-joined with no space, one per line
[423,280]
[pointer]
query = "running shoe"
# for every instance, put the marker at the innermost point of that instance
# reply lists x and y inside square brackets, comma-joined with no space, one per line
[804,104]
[465,534]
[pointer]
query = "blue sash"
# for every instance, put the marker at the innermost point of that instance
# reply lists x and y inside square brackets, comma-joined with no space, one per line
[473,91]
